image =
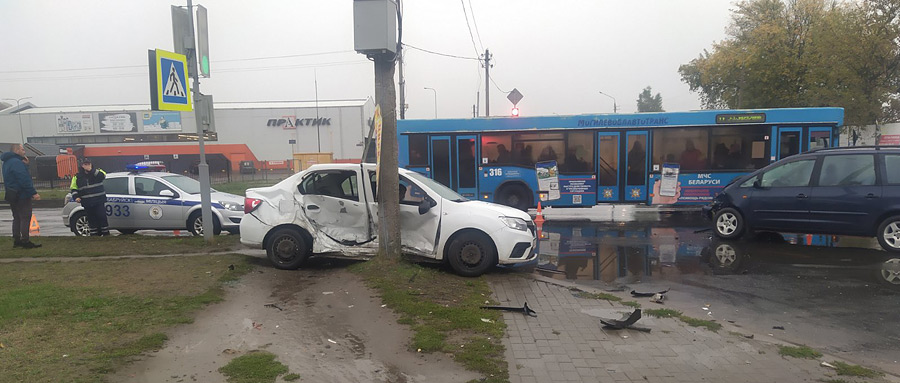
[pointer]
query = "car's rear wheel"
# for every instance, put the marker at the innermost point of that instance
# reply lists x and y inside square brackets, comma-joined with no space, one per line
[471,254]
[729,223]
[889,234]
[79,224]
[287,249]
[195,224]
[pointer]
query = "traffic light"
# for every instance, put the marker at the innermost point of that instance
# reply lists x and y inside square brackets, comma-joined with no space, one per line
[202,41]
[515,112]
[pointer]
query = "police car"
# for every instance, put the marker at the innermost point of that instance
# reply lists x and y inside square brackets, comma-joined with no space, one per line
[146,199]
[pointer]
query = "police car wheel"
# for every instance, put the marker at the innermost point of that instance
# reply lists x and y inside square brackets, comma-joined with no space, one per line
[79,224]
[195,224]
[287,249]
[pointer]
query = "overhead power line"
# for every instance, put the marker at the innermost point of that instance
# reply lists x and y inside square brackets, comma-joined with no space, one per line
[477,33]
[471,36]
[439,53]
[498,86]
[144,66]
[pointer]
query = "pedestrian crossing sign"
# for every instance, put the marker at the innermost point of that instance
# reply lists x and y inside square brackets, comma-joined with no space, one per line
[170,89]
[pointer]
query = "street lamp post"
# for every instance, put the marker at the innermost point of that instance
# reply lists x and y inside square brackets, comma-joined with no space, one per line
[18,100]
[435,100]
[615,108]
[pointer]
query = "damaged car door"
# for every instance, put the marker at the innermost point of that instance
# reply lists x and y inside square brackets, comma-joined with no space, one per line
[330,199]
[420,216]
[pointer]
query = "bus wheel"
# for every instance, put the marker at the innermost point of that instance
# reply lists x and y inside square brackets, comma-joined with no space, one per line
[515,195]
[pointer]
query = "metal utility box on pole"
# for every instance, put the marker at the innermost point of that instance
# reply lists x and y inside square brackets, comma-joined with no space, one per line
[375,32]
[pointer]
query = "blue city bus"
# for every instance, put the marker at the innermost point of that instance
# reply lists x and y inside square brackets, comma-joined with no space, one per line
[609,158]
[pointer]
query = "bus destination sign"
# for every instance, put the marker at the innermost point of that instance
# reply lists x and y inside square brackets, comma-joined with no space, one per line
[742,118]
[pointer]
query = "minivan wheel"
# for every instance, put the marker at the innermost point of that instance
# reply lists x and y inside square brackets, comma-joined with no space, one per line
[889,234]
[287,249]
[729,223]
[471,254]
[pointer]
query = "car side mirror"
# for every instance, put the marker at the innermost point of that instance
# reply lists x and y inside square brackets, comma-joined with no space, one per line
[167,193]
[424,206]
[757,185]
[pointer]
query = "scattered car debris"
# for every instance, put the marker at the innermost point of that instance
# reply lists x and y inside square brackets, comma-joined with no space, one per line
[327,292]
[485,320]
[627,322]
[646,295]
[257,326]
[658,298]
[231,267]
[229,351]
[829,365]
[274,306]
[331,341]
[748,336]
[778,327]
[525,310]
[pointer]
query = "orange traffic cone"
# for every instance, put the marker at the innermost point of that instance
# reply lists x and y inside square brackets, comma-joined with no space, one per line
[539,218]
[35,229]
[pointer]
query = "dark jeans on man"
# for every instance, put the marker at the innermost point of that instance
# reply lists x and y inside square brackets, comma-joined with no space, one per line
[96,216]
[21,211]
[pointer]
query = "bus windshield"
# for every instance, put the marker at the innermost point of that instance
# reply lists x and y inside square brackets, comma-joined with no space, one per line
[439,188]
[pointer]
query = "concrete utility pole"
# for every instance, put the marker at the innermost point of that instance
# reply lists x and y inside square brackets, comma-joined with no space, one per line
[388,177]
[487,83]
[205,199]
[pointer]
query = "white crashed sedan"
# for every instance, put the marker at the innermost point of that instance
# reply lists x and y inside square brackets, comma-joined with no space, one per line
[331,209]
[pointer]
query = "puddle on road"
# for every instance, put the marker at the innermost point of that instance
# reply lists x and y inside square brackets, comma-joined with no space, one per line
[670,248]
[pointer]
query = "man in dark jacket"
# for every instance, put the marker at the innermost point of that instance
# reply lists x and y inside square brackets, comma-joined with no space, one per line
[19,193]
[87,188]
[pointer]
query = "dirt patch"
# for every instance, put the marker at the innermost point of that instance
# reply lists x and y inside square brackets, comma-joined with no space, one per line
[330,328]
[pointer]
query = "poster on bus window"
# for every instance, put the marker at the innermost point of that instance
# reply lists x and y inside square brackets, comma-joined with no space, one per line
[548,178]
[669,183]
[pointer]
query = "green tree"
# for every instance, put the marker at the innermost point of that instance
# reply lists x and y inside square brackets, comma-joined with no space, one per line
[647,102]
[799,53]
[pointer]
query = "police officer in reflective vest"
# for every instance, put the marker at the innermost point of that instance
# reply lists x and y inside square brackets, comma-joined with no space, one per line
[87,188]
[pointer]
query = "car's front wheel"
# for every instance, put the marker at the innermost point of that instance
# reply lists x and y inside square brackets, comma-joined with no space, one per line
[729,223]
[287,249]
[471,254]
[889,234]
[195,224]
[79,224]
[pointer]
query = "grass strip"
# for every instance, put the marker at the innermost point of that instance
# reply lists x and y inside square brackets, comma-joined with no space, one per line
[801,352]
[690,321]
[118,245]
[601,296]
[443,312]
[855,370]
[77,321]
[253,367]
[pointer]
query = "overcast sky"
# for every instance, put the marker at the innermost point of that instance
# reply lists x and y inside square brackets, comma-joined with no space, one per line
[558,53]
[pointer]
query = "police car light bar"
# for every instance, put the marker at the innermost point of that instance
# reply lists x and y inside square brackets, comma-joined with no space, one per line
[146,166]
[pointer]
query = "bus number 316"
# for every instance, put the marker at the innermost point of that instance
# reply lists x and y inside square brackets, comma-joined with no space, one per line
[495,172]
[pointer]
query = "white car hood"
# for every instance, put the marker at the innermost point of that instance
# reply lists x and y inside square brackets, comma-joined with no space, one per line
[501,210]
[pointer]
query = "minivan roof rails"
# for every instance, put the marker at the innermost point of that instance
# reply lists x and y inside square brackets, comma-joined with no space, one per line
[876,147]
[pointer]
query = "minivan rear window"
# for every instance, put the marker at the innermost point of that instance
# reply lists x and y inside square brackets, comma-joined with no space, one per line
[892,165]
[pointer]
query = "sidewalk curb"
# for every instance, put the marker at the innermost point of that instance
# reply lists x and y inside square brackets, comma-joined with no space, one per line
[246,252]
[726,326]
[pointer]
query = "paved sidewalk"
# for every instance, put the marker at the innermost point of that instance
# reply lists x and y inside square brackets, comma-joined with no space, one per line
[566,343]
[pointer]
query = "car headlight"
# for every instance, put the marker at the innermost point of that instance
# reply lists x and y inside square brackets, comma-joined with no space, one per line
[233,206]
[515,223]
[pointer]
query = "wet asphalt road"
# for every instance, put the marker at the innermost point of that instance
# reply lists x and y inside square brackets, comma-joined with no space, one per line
[838,294]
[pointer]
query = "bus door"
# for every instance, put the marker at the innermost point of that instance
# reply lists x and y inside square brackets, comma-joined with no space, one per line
[820,137]
[467,163]
[608,179]
[636,162]
[787,142]
[454,163]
